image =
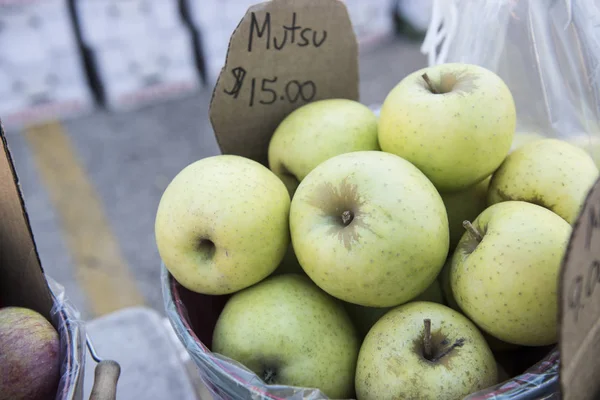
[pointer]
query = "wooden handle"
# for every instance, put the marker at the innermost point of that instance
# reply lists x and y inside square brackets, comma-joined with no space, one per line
[106,376]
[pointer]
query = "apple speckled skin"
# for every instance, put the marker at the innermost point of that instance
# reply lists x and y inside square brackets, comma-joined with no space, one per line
[290,332]
[391,363]
[396,239]
[550,173]
[222,224]
[457,137]
[508,283]
[29,355]
[316,132]
[444,278]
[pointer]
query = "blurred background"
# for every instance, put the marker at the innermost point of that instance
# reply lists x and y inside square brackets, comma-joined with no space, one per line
[103,103]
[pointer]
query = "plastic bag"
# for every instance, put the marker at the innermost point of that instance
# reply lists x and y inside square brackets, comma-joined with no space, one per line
[71,330]
[548,53]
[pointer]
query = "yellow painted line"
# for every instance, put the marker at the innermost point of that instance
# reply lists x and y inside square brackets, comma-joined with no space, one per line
[100,268]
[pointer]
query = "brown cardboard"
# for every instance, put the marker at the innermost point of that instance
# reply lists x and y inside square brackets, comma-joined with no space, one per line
[22,282]
[312,51]
[579,301]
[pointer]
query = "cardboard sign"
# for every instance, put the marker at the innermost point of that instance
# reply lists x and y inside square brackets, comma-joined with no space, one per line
[579,301]
[22,282]
[283,54]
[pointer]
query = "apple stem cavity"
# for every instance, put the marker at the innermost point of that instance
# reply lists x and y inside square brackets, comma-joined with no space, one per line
[472,230]
[429,84]
[269,376]
[459,343]
[347,217]
[427,348]
[206,247]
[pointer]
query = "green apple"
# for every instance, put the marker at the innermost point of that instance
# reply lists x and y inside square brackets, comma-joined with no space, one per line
[504,272]
[290,332]
[369,228]
[316,132]
[522,138]
[454,121]
[365,317]
[494,343]
[550,173]
[446,287]
[222,224]
[289,264]
[432,294]
[404,358]
[464,205]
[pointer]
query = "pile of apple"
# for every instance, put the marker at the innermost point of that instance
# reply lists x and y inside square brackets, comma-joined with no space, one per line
[382,257]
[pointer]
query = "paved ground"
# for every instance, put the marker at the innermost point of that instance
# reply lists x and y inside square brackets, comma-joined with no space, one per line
[92,185]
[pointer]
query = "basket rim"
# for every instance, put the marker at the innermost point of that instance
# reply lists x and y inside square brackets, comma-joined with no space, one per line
[545,365]
[70,346]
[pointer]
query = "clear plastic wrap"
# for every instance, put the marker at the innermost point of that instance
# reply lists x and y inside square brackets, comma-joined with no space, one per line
[548,53]
[71,330]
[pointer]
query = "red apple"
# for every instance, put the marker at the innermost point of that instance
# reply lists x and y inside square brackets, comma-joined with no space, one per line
[29,355]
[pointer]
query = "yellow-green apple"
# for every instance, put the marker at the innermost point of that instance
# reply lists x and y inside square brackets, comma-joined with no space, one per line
[423,350]
[369,228]
[494,343]
[289,264]
[504,272]
[454,121]
[365,317]
[222,224]
[316,132]
[550,173]
[290,332]
[446,287]
[464,205]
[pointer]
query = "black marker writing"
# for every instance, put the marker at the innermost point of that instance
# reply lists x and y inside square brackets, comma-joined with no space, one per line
[593,278]
[239,74]
[575,295]
[259,31]
[262,30]
[583,287]
[268,91]
[593,224]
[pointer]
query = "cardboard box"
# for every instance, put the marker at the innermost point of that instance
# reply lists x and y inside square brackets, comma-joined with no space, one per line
[22,279]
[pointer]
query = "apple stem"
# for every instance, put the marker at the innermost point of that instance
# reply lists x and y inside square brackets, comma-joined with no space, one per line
[472,230]
[458,343]
[427,350]
[347,217]
[429,83]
